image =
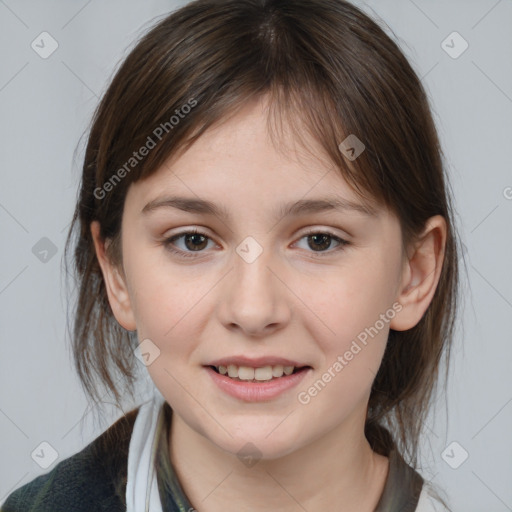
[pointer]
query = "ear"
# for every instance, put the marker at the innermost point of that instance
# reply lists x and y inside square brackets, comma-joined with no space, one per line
[420,275]
[115,284]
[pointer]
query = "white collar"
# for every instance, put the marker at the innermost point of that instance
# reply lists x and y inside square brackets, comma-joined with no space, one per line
[142,486]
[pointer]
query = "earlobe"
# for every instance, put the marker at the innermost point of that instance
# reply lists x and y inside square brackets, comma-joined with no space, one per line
[421,273]
[115,284]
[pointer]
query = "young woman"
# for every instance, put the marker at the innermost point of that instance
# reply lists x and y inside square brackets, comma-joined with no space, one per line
[264,223]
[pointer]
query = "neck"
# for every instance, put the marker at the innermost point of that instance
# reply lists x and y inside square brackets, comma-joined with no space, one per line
[336,472]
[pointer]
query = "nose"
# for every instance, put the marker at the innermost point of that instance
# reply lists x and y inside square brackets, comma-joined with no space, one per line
[254,298]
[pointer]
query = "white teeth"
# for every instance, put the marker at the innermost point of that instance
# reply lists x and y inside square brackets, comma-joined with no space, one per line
[232,370]
[264,373]
[277,371]
[288,370]
[245,373]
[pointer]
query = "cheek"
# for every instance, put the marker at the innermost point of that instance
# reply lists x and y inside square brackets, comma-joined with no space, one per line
[167,314]
[354,299]
[356,312]
[160,299]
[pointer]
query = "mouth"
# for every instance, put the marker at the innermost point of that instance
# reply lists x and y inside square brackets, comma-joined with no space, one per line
[257,383]
[257,375]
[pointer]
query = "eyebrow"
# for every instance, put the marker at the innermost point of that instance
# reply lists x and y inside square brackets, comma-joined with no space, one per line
[301,207]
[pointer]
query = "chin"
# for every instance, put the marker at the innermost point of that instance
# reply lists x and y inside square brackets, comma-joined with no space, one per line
[251,442]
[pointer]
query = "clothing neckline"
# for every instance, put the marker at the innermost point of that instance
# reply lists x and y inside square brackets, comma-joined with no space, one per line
[401,491]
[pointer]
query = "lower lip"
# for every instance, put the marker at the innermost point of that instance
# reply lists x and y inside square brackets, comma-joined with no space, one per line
[257,391]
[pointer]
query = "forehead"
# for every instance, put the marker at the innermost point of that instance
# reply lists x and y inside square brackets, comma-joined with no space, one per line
[240,158]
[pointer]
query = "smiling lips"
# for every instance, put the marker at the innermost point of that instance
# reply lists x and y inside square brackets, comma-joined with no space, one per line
[263,373]
[257,370]
[257,390]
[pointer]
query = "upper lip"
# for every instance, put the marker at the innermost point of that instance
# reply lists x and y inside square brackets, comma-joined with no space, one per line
[256,362]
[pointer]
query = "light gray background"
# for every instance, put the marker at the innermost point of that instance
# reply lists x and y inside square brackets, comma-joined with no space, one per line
[46,104]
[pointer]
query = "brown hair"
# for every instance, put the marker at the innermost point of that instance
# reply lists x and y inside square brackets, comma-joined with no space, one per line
[324,64]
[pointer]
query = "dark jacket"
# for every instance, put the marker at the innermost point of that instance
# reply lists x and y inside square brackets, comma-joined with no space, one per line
[92,480]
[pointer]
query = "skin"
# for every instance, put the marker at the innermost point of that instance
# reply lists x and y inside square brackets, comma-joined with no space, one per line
[290,302]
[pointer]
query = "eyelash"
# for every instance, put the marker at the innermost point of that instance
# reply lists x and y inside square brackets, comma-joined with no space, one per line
[191,254]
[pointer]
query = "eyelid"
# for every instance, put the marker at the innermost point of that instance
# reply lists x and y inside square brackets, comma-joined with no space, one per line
[342,242]
[329,231]
[201,230]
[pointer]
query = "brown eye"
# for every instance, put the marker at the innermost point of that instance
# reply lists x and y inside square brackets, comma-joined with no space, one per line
[194,242]
[323,241]
[320,242]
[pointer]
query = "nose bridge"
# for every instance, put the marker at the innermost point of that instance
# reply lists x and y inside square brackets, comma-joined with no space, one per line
[255,299]
[252,262]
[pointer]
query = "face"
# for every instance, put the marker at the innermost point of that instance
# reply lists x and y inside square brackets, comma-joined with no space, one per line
[316,288]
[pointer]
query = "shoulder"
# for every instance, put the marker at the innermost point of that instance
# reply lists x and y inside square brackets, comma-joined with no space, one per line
[93,479]
[430,501]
